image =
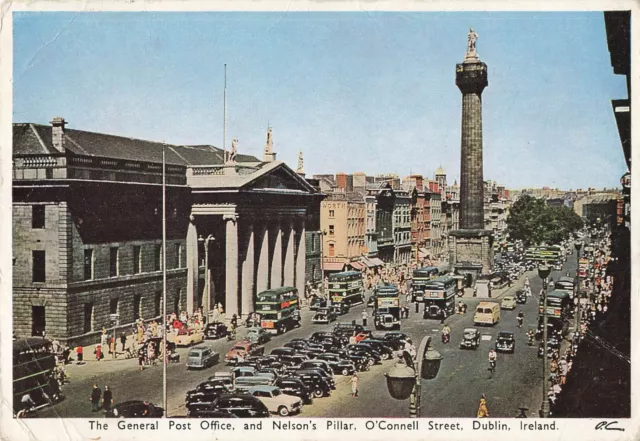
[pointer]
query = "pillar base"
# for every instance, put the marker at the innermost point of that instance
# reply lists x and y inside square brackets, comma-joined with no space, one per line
[471,252]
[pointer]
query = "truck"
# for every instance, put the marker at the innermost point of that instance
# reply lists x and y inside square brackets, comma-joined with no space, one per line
[243,349]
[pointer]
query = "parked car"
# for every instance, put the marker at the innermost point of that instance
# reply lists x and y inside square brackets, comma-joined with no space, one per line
[318,386]
[347,329]
[505,342]
[242,405]
[281,351]
[320,335]
[295,386]
[202,357]
[188,337]
[328,377]
[135,409]
[508,302]
[324,316]
[206,410]
[243,349]
[215,330]
[337,364]
[277,401]
[319,364]
[294,359]
[206,392]
[470,339]
[382,347]
[258,335]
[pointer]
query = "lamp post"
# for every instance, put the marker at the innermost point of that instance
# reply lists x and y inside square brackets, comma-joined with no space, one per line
[578,245]
[207,282]
[543,273]
[403,380]
[322,234]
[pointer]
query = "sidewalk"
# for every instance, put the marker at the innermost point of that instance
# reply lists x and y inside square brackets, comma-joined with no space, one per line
[500,292]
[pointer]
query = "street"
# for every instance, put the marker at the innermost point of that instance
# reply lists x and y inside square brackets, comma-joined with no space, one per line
[455,392]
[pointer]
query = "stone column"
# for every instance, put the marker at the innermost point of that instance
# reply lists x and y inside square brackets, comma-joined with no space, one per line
[301,260]
[192,263]
[262,273]
[248,272]
[276,259]
[289,262]
[231,266]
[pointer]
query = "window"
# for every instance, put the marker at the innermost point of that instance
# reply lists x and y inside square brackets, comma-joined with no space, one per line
[114,263]
[37,216]
[332,213]
[313,241]
[113,306]
[157,262]
[332,250]
[137,259]
[176,301]
[88,264]
[88,317]
[178,248]
[48,173]
[157,304]
[38,321]
[137,302]
[331,230]
[39,266]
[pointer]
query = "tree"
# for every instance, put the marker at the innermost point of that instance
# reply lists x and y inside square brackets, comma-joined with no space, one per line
[533,221]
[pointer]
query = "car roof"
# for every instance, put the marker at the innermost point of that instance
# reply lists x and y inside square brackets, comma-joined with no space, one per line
[505,334]
[510,297]
[263,388]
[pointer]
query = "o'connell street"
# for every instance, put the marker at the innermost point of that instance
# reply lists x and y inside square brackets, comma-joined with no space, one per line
[332,219]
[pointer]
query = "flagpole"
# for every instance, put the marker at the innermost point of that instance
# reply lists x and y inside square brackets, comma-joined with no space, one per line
[164,280]
[224,116]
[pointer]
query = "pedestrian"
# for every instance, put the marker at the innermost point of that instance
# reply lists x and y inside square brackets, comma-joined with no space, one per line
[112,347]
[364,317]
[103,337]
[107,399]
[483,411]
[417,306]
[141,359]
[79,352]
[96,393]
[98,352]
[123,340]
[354,385]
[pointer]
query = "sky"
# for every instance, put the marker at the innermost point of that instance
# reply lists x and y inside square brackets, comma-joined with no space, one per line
[369,92]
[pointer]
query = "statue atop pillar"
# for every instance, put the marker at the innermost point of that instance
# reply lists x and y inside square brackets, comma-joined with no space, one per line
[269,154]
[300,169]
[471,45]
[233,154]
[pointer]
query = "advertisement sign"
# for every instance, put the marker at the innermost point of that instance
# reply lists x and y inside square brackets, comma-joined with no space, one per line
[388,302]
[435,294]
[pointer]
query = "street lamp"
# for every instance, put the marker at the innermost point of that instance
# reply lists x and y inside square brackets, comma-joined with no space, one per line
[322,233]
[403,380]
[207,282]
[578,245]
[543,273]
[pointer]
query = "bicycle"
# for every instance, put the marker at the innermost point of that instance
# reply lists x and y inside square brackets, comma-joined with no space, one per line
[492,368]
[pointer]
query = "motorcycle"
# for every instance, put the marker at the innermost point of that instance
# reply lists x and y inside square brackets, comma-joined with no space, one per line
[446,338]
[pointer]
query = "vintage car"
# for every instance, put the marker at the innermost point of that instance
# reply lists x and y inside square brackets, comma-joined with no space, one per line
[371,301]
[470,339]
[243,349]
[340,308]
[242,405]
[202,357]
[505,342]
[324,316]
[258,335]
[508,302]
[206,392]
[521,297]
[295,386]
[318,302]
[188,337]
[277,401]
[215,330]
[135,409]
[246,377]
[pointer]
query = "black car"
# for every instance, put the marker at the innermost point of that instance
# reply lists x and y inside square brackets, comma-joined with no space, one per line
[318,386]
[242,405]
[369,350]
[394,338]
[295,386]
[347,329]
[325,376]
[206,392]
[382,347]
[341,308]
[337,364]
[371,301]
[206,410]
[317,364]
[215,330]
[318,302]
[319,336]
[368,355]
[294,360]
[135,409]
[521,297]
[280,352]
[505,342]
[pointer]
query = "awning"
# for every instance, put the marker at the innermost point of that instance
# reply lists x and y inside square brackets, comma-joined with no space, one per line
[377,261]
[358,265]
[368,262]
[333,266]
[422,252]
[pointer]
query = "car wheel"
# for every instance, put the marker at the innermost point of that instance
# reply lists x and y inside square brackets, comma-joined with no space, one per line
[345,372]
[384,356]
[283,411]
[318,393]
[370,362]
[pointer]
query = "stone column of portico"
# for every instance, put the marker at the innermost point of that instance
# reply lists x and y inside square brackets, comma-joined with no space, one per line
[262,273]
[231,266]
[193,265]
[301,260]
[248,266]
[276,259]
[289,262]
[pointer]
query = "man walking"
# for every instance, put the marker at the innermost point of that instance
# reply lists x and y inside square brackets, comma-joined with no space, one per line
[354,385]
[364,317]
[96,393]
[123,341]
[107,399]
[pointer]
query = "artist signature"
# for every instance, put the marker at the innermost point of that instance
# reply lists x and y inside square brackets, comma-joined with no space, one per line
[608,425]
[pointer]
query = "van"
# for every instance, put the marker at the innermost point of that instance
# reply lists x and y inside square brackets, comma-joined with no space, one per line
[487,313]
[202,357]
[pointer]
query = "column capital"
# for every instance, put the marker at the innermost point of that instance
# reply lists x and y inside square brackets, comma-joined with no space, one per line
[230,217]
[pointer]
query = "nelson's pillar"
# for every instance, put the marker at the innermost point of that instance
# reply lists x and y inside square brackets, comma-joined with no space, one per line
[471,247]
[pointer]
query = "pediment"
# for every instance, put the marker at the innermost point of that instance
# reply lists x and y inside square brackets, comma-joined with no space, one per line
[280,178]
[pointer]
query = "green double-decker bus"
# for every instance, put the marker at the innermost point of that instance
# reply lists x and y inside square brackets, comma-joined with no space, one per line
[279,309]
[548,254]
[346,287]
[439,297]
[421,276]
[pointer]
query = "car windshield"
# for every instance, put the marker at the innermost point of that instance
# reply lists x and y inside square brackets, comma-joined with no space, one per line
[195,354]
[238,348]
[470,333]
[276,392]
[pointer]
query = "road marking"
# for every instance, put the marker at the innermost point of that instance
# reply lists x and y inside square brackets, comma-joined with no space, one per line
[485,337]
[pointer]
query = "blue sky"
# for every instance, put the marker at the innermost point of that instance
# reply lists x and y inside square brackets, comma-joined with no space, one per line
[370,92]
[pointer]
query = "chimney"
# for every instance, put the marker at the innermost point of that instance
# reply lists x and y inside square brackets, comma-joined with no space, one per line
[418,182]
[57,133]
[341,181]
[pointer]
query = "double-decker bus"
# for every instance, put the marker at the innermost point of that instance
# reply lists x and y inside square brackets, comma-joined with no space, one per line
[34,367]
[545,254]
[558,311]
[583,267]
[439,297]
[279,309]
[566,284]
[387,307]
[346,287]
[420,277]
